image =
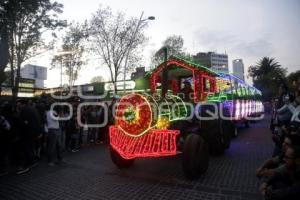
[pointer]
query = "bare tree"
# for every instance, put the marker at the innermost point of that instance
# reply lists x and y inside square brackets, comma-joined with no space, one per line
[71,59]
[25,22]
[112,36]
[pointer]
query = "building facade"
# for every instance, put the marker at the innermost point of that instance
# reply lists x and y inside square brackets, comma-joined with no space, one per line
[139,73]
[215,61]
[37,73]
[238,68]
[26,88]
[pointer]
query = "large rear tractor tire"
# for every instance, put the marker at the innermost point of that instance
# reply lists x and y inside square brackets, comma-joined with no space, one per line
[195,158]
[227,132]
[119,161]
[215,136]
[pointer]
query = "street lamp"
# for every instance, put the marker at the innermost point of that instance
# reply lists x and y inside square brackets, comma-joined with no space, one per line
[62,53]
[130,43]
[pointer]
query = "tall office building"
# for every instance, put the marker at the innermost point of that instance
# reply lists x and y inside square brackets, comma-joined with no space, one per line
[215,61]
[38,73]
[238,68]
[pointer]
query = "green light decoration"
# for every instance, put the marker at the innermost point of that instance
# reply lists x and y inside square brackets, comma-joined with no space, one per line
[220,97]
[130,114]
[191,63]
[173,107]
[180,111]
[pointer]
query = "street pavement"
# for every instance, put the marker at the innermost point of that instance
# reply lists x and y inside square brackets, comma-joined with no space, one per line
[90,174]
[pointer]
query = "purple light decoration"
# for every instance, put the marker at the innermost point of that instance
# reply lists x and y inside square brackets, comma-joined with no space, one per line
[237,109]
[229,105]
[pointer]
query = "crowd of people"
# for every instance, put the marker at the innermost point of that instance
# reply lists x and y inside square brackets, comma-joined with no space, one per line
[32,130]
[280,174]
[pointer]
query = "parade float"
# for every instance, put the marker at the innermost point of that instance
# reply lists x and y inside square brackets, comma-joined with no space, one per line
[163,122]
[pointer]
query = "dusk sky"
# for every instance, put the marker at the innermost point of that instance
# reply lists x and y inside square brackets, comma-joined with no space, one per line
[243,29]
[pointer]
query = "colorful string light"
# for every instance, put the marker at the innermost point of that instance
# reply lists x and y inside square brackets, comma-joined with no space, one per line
[200,73]
[156,143]
[134,115]
[163,123]
[139,133]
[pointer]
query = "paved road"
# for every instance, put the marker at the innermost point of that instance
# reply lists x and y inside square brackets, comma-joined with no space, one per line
[89,174]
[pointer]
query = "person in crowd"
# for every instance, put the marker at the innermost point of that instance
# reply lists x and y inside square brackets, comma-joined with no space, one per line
[282,92]
[4,144]
[110,118]
[187,91]
[100,120]
[39,144]
[14,144]
[278,103]
[53,137]
[285,184]
[83,118]
[296,112]
[91,120]
[72,133]
[63,113]
[30,126]
[296,85]
[284,115]
[277,163]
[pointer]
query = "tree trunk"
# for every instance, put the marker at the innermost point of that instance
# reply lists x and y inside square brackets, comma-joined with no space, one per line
[115,84]
[3,56]
[18,43]
[17,81]
[18,75]
[113,78]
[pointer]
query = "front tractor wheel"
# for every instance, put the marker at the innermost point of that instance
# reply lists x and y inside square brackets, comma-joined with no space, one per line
[118,160]
[195,156]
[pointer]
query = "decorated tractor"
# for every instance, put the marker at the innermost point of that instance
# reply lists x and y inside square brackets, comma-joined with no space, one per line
[189,110]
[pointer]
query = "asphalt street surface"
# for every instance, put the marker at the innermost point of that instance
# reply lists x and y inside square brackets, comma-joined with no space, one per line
[90,174]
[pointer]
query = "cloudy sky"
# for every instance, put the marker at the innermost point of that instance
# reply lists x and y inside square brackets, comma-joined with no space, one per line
[241,28]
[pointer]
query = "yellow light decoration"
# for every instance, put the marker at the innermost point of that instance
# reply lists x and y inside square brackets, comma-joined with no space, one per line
[163,122]
[222,84]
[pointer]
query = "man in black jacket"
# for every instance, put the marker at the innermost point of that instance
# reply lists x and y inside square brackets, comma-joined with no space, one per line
[30,123]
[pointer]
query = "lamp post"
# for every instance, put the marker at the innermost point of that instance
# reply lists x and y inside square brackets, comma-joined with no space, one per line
[131,41]
[62,53]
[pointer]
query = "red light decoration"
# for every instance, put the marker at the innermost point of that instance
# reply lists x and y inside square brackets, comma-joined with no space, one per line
[156,143]
[134,115]
[198,75]
[174,85]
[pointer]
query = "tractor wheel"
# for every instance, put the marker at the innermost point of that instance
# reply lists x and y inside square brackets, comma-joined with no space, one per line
[118,160]
[227,132]
[216,139]
[195,156]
